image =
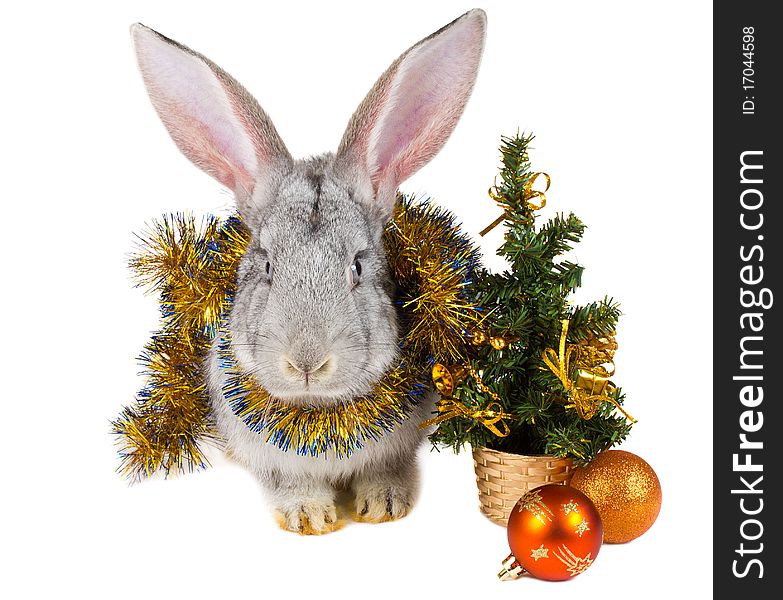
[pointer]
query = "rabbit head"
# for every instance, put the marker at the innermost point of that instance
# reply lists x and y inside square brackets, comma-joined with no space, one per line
[313,317]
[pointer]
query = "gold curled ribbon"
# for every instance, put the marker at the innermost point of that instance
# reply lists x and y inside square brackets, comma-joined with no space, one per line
[585,402]
[535,199]
[491,416]
[493,193]
[538,195]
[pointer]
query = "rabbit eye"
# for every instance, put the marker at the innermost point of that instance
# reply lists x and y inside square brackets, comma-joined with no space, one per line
[268,269]
[356,272]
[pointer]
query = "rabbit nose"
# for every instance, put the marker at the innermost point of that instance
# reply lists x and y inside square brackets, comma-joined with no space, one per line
[297,368]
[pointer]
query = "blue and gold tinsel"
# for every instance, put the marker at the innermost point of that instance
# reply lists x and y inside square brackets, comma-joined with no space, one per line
[193,269]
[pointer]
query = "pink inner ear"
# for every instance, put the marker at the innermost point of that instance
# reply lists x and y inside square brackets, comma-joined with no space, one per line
[198,109]
[428,95]
[214,140]
[197,142]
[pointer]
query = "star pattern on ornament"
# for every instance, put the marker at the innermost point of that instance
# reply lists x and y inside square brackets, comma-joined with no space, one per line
[540,552]
[570,507]
[573,563]
[533,502]
[582,527]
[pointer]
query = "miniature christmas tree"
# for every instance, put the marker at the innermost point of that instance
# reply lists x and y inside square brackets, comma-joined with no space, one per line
[537,381]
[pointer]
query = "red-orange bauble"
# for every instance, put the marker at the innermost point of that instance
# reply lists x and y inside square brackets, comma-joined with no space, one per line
[554,532]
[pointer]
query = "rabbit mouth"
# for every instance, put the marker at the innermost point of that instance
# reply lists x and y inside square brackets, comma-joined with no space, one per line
[320,383]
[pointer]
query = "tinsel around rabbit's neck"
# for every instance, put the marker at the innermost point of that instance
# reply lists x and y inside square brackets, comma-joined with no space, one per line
[193,269]
[336,430]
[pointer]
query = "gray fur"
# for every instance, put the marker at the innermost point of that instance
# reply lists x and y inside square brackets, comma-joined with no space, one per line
[309,308]
[306,331]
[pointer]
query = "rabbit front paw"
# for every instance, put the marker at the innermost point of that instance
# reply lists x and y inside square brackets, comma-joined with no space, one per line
[377,503]
[310,517]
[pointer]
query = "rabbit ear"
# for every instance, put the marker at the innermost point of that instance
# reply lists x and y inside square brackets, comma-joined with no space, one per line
[216,123]
[412,109]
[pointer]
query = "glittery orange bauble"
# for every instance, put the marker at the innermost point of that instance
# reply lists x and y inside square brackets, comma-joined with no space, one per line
[624,489]
[554,532]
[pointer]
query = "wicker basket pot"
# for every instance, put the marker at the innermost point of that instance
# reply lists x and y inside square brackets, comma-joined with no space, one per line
[503,478]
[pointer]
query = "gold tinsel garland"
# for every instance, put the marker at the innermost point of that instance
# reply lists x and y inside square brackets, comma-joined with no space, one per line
[311,431]
[194,270]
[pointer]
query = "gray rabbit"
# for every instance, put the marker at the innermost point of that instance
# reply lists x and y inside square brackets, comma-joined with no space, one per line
[313,317]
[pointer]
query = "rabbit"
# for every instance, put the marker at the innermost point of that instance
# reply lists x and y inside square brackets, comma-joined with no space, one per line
[313,317]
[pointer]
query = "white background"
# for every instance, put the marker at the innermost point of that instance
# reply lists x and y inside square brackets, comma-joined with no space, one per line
[619,97]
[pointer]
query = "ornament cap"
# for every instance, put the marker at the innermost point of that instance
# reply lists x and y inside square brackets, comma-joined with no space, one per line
[511,569]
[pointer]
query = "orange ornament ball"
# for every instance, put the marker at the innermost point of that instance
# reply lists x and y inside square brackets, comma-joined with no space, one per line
[625,490]
[554,532]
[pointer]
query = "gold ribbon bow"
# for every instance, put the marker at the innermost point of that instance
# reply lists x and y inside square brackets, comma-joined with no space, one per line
[535,199]
[585,401]
[491,416]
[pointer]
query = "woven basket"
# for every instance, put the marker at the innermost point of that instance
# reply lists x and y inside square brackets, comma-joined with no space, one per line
[503,478]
